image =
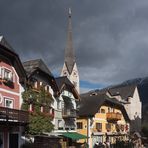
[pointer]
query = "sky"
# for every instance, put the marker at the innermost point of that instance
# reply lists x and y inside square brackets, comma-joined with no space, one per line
[110,37]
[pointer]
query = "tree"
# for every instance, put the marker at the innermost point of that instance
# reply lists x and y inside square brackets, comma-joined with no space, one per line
[39,122]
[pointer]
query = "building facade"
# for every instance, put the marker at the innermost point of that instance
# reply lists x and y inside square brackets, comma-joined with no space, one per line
[12,80]
[129,97]
[105,120]
[65,106]
[41,81]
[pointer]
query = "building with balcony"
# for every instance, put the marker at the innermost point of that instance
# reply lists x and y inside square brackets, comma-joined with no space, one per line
[12,79]
[40,81]
[128,95]
[101,118]
[66,106]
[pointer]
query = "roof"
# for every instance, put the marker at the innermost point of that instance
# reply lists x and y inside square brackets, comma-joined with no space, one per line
[63,80]
[65,83]
[124,91]
[69,50]
[94,102]
[33,65]
[6,51]
[4,43]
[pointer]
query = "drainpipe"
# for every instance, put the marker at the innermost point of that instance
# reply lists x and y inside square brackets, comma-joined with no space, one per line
[88,132]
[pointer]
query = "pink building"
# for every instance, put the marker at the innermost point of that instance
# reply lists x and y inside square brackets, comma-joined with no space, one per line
[12,78]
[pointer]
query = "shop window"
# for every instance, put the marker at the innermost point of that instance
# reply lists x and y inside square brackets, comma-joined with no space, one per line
[79,125]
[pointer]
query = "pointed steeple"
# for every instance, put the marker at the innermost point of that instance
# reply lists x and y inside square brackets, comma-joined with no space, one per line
[69,50]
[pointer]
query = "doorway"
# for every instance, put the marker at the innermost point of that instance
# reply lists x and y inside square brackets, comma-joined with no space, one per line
[13,140]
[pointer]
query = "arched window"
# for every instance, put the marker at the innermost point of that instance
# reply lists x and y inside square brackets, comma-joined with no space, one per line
[102,110]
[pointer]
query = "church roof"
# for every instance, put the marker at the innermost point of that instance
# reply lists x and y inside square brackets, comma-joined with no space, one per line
[69,50]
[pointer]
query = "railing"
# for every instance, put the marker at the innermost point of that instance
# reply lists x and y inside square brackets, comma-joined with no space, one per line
[113,116]
[69,113]
[13,115]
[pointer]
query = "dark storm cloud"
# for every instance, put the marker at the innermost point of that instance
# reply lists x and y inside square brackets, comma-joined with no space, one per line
[110,37]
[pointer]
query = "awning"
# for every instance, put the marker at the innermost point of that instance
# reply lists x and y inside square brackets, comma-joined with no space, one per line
[74,135]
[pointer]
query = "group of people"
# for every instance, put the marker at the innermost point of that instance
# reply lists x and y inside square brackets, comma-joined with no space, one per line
[102,145]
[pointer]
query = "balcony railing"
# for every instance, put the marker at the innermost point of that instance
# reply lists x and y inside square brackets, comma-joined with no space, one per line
[13,116]
[113,116]
[69,113]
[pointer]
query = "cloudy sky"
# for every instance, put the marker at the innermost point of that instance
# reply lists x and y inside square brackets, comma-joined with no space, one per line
[110,36]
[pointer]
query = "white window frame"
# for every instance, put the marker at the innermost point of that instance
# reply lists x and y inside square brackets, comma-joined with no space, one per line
[10,99]
[3,69]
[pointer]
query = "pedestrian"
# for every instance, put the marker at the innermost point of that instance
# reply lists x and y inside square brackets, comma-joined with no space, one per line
[96,145]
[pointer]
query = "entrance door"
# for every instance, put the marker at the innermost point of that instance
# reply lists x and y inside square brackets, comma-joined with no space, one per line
[13,140]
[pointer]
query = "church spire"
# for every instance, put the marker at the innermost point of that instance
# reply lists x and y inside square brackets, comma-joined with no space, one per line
[70,67]
[69,50]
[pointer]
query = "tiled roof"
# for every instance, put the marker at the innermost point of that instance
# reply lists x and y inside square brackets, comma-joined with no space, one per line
[4,43]
[124,91]
[32,65]
[7,51]
[63,80]
[90,104]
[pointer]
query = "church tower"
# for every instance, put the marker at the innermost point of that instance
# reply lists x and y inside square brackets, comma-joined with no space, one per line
[70,67]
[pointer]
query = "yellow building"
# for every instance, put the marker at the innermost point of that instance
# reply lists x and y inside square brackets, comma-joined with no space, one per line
[102,119]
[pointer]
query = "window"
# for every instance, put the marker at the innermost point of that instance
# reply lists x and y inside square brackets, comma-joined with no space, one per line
[108,126]
[60,126]
[8,103]
[99,126]
[58,104]
[7,74]
[103,111]
[69,94]
[47,88]
[109,109]
[79,125]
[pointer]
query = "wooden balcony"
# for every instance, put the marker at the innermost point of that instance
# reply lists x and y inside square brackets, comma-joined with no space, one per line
[69,113]
[113,117]
[13,116]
